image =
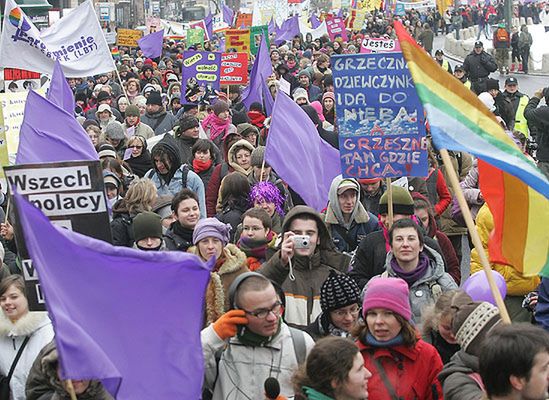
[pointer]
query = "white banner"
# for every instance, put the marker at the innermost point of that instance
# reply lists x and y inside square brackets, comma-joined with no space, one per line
[75,40]
[315,33]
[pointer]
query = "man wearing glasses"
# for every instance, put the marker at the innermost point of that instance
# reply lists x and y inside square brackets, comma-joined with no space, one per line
[251,343]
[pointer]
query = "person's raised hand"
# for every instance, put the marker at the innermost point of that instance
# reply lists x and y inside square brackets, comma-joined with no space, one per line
[287,248]
[227,325]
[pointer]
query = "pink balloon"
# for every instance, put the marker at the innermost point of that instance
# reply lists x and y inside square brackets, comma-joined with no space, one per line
[478,288]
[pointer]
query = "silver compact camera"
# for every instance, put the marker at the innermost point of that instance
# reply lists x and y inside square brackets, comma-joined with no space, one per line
[301,241]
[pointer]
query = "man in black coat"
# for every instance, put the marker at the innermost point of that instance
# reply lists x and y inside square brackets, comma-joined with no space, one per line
[538,117]
[478,65]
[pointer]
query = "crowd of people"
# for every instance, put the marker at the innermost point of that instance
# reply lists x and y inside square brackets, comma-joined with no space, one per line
[354,302]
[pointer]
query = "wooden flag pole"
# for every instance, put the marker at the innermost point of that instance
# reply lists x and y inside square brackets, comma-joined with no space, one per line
[262,169]
[454,181]
[70,389]
[7,208]
[122,85]
[389,201]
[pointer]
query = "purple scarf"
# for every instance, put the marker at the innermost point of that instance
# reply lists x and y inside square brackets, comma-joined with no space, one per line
[412,276]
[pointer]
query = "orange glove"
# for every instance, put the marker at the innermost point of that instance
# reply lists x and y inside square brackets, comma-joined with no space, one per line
[226,326]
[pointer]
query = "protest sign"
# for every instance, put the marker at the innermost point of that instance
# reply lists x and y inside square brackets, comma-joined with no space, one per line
[201,25]
[200,74]
[71,194]
[128,37]
[234,69]
[336,28]
[380,117]
[356,19]
[237,39]
[195,36]
[243,20]
[255,37]
[153,24]
[19,80]
[369,5]
[379,45]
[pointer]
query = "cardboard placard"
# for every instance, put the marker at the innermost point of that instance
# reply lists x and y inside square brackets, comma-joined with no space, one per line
[243,20]
[128,37]
[237,39]
[200,74]
[234,69]
[255,37]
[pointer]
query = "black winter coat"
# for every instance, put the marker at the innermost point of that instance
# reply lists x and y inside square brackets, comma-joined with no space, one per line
[479,66]
[539,118]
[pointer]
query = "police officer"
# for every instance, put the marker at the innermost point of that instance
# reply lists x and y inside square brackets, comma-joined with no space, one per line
[459,73]
[439,58]
[478,66]
[515,103]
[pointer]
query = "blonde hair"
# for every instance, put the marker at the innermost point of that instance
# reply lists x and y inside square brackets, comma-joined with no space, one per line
[136,138]
[433,313]
[140,195]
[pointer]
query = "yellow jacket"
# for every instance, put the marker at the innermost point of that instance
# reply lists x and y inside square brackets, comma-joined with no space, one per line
[517,285]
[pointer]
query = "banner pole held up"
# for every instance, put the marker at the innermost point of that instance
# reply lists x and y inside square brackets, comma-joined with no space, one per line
[70,389]
[454,181]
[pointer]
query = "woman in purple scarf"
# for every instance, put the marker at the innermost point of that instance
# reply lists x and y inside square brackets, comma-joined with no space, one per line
[420,266]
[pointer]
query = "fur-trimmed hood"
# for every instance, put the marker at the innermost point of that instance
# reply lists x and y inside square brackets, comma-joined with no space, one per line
[234,258]
[25,325]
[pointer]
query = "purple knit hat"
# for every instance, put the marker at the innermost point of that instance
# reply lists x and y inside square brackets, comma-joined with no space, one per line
[211,227]
[389,293]
[267,191]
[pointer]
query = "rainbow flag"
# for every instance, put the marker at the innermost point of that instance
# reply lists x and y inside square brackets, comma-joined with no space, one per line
[115,53]
[518,190]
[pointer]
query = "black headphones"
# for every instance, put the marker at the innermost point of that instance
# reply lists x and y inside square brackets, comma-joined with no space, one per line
[236,283]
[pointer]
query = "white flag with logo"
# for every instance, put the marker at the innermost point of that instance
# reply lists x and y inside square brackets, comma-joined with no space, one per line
[76,40]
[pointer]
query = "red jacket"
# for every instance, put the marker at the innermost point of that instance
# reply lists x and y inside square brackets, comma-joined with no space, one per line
[412,371]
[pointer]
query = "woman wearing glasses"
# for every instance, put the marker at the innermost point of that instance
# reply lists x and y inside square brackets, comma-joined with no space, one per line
[339,300]
[140,158]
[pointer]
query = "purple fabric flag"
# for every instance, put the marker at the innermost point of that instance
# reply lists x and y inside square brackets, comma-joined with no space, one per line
[208,22]
[315,22]
[151,44]
[268,101]
[299,155]
[340,13]
[261,70]
[272,26]
[127,317]
[288,30]
[59,137]
[228,15]
[60,92]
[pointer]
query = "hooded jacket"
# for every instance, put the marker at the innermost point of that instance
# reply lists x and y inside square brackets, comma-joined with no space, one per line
[38,326]
[347,236]
[43,381]
[171,183]
[421,291]
[457,383]
[160,122]
[303,293]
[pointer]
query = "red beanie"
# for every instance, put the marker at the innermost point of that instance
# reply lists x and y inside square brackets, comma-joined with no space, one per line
[389,293]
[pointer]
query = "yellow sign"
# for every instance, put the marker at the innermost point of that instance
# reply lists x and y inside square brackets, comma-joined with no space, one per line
[369,5]
[128,37]
[238,39]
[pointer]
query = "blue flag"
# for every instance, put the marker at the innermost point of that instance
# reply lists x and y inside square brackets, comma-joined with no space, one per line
[57,137]
[261,70]
[60,92]
[127,317]
[299,155]
[228,15]
[151,44]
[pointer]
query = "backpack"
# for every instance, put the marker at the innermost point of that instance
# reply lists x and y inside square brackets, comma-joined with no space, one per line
[502,35]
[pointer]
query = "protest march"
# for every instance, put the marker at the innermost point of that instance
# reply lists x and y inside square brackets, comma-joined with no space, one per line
[305,200]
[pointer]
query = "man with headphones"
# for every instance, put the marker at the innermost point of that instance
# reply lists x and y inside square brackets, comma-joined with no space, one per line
[251,343]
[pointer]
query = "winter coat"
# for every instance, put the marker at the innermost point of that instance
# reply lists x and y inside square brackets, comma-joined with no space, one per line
[471,191]
[347,236]
[445,350]
[541,314]
[423,292]
[175,242]
[412,371]
[371,254]
[456,379]
[160,122]
[479,66]
[303,293]
[217,292]
[241,371]
[539,118]
[232,214]
[44,383]
[140,129]
[517,285]
[121,225]
[38,326]
[212,192]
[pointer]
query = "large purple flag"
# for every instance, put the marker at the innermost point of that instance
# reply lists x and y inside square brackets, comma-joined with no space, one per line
[228,15]
[60,92]
[315,22]
[56,137]
[151,44]
[268,101]
[288,30]
[261,70]
[127,317]
[272,26]
[208,22]
[299,155]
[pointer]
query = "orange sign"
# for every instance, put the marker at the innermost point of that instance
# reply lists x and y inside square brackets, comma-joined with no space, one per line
[243,20]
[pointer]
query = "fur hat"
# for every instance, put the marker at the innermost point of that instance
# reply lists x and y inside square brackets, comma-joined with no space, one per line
[219,107]
[389,293]
[339,290]
[402,202]
[147,224]
[211,227]
[154,98]
[132,111]
[115,130]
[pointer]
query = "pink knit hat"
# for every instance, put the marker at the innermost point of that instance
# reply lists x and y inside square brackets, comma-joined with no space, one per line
[318,107]
[389,293]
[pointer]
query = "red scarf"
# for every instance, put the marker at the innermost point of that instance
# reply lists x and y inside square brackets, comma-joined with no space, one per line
[137,123]
[199,166]
[257,119]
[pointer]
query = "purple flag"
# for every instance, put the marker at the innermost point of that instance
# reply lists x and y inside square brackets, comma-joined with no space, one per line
[288,30]
[228,15]
[208,22]
[340,13]
[268,101]
[127,317]
[151,44]
[315,22]
[294,141]
[261,70]
[272,26]
[58,137]
[60,92]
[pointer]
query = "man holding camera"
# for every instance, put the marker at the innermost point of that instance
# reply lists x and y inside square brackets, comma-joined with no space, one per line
[538,117]
[306,256]
[478,65]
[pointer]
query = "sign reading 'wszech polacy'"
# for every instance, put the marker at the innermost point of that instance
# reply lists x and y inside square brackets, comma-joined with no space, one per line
[71,194]
[379,116]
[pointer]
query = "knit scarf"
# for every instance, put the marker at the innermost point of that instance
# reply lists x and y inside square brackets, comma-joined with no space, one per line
[257,119]
[184,233]
[216,125]
[372,341]
[249,338]
[255,248]
[411,276]
[314,395]
[199,166]
[141,164]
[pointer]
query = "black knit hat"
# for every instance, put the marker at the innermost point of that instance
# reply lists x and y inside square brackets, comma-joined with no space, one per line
[147,224]
[187,121]
[103,95]
[339,290]
[154,98]
[402,202]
